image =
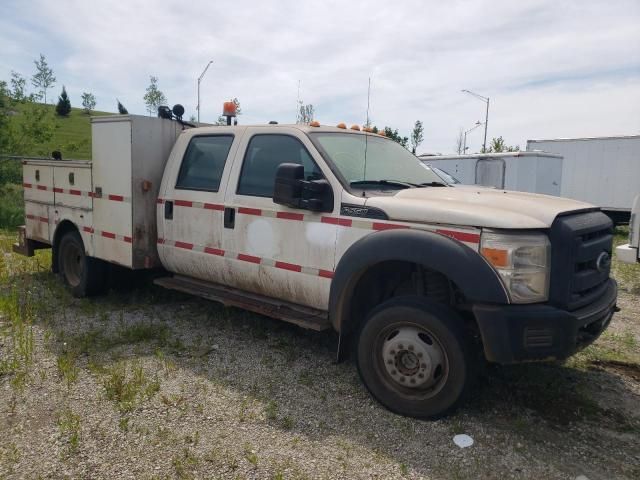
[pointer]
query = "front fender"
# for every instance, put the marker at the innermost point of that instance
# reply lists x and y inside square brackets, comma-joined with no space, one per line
[477,280]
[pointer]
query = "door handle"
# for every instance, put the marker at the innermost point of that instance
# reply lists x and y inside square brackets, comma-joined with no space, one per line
[229,217]
[168,209]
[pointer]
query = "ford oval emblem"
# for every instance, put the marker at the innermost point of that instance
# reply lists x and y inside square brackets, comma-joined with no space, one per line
[603,262]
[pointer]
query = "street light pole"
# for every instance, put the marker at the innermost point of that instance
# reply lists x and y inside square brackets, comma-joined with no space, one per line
[464,145]
[199,79]
[486,119]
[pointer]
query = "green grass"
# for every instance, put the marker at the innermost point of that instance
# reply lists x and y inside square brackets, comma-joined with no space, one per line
[72,135]
[627,275]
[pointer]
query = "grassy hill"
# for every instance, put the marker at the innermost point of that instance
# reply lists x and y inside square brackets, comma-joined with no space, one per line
[72,134]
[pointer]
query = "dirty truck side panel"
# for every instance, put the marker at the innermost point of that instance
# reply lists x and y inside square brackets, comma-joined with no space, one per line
[190,236]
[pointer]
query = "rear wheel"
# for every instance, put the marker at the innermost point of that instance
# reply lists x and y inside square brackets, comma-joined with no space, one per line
[411,357]
[84,275]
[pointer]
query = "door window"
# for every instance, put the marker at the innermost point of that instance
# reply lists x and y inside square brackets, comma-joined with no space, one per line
[262,158]
[203,163]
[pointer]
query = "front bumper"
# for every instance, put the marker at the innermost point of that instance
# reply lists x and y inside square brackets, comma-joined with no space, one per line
[520,333]
[627,254]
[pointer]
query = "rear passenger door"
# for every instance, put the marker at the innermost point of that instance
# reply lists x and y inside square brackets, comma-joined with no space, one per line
[271,249]
[192,209]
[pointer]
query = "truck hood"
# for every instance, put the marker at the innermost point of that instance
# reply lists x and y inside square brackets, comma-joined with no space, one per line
[475,206]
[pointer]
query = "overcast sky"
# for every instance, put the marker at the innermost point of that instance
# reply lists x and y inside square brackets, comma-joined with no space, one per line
[551,68]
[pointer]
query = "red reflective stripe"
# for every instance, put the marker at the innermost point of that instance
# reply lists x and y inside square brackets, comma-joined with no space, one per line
[44,219]
[248,258]
[461,236]
[117,198]
[214,251]
[127,239]
[31,217]
[250,211]
[185,245]
[290,216]
[183,203]
[108,234]
[160,201]
[387,226]
[75,192]
[57,190]
[42,187]
[344,222]
[289,266]
[213,206]
[91,194]
[88,229]
[325,273]
[27,185]
[161,241]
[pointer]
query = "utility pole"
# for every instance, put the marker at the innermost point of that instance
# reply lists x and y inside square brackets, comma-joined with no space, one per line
[199,80]
[486,119]
[368,97]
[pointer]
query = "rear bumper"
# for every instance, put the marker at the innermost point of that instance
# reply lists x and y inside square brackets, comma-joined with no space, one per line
[627,254]
[520,333]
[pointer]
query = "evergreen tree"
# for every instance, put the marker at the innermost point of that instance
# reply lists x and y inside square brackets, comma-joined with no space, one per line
[63,108]
[121,109]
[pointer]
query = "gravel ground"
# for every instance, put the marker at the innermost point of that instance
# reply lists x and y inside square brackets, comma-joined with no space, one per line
[152,384]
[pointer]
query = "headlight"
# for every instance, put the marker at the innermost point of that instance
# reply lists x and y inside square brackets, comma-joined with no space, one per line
[522,260]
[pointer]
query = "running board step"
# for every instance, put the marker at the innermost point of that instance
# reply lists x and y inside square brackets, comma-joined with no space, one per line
[302,316]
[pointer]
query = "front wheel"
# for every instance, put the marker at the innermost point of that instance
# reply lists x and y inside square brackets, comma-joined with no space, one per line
[411,357]
[82,274]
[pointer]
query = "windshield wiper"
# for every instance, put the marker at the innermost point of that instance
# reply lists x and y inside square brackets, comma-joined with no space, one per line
[394,183]
[433,184]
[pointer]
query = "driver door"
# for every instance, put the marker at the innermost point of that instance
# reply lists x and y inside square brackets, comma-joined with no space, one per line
[272,249]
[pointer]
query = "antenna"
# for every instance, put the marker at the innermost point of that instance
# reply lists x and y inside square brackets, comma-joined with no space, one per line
[298,103]
[368,98]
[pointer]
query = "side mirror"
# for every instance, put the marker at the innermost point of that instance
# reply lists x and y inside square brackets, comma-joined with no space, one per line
[292,190]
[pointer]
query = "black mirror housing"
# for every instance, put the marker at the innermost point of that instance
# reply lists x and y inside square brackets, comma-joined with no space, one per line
[292,190]
[288,186]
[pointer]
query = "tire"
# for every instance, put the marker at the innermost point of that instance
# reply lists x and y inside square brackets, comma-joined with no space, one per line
[412,358]
[85,276]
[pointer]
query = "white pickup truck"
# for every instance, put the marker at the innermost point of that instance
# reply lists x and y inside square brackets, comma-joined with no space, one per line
[329,227]
[630,253]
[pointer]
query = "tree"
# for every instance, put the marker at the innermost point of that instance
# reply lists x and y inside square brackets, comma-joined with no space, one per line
[88,102]
[121,109]
[395,136]
[460,142]
[63,108]
[43,78]
[154,97]
[26,132]
[305,114]
[417,136]
[498,145]
[18,87]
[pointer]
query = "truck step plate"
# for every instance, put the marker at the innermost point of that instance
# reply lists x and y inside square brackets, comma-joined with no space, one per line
[302,316]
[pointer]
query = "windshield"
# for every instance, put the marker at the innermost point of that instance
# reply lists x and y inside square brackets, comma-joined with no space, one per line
[385,160]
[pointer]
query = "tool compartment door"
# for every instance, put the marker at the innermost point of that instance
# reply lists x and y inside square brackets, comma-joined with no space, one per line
[38,182]
[72,186]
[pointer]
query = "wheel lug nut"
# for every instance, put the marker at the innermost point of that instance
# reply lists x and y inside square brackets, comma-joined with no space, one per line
[402,379]
[419,354]
[410,347]
[392,352]
[390,362]
[413,380]
[400,346]
[393,372]
[421,375]
[423,365]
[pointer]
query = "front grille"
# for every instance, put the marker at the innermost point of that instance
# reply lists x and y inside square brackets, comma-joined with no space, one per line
[577,241]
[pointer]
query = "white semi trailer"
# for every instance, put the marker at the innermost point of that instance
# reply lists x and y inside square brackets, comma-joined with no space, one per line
[604,171]
[533,172]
